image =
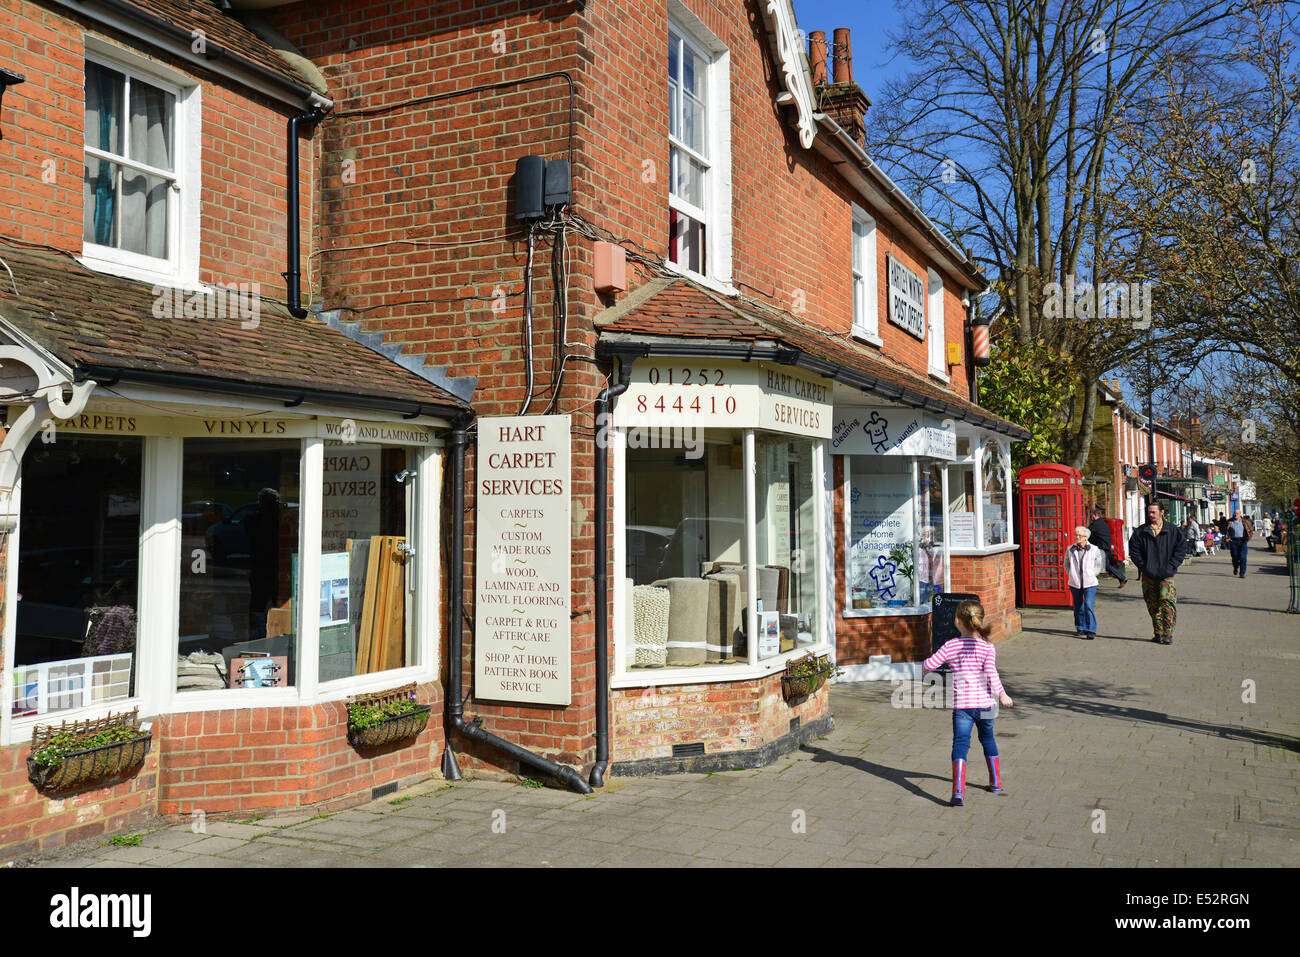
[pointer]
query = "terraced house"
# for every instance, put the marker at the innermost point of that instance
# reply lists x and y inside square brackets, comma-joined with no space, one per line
[331,329]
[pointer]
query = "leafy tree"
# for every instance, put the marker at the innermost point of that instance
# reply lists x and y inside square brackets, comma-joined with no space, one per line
[1030,384]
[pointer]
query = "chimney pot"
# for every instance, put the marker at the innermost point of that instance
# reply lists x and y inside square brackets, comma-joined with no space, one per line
[843,56]
[817,56]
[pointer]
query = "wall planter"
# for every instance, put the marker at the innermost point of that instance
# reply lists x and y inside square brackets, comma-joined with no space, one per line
[385,717]
[84,752]
[805,676]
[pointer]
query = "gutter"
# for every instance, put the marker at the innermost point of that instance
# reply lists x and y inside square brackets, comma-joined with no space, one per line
[290,395]
[121,15]
[633,348]
[473,729]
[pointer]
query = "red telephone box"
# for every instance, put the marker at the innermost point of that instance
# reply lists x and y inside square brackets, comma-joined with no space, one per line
[1051,507]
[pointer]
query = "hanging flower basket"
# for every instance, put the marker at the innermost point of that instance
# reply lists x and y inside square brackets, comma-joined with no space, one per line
[805,676]
[76,754]
[383,717]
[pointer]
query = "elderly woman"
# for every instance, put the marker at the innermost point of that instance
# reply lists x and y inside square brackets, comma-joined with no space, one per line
[1083,562]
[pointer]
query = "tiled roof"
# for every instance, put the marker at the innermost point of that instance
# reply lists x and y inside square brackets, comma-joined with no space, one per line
[85,318]
[680,309]
[221,31]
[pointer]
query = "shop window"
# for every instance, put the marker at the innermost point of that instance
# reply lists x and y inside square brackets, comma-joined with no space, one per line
[787,538]
[961,504]
[78,561]
[995,477]
[686,555]
[930,553]
[239,564]
[881,554]
[366,602]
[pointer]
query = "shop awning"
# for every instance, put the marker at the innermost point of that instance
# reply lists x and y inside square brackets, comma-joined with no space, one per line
[107,328]
[677,317]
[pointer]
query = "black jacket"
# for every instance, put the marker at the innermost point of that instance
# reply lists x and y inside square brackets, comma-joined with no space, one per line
[1158,556]
[1099,535]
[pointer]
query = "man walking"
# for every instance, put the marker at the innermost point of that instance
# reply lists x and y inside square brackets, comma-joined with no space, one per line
[1099,535]
[1240,530]
[1157,549]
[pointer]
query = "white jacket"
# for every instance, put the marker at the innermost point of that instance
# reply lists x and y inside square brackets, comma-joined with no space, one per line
[1083,565]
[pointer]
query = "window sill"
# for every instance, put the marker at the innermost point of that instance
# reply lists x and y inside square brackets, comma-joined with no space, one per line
[154,277]
[20,729]
[990,550]
[898,611]
[712,674]
[941,376]
[725,289]
[870,338]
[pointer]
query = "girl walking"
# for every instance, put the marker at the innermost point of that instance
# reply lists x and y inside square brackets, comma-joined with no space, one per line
[975,681]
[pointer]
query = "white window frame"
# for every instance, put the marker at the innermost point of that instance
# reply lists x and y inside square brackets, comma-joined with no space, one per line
[865,278]
[716,214]
[977,439]
[914,606]
[158,614]
[181,268]
[934,314]
[624,677]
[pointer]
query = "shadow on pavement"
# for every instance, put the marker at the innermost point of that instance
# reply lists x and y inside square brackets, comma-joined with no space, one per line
[1079,696]
[893,775]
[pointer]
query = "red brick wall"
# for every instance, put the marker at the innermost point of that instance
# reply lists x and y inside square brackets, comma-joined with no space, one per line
[31,823]
[256,759]
[726,716]
[242,227]
[993,578]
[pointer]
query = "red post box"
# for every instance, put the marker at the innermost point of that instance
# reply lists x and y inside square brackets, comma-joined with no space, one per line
[1117,538]
[1051,507]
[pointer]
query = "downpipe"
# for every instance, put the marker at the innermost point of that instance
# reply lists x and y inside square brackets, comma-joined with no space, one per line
[293,277]
[456,722]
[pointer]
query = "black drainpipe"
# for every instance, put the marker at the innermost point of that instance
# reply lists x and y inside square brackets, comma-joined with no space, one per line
[293,277]
[459,438]
[602,584]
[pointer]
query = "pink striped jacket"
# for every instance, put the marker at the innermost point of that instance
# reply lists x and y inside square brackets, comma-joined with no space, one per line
[974,671]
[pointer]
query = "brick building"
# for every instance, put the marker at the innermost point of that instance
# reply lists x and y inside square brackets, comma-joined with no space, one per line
[791,462]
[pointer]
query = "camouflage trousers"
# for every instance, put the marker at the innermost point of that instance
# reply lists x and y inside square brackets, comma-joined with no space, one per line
[1162,603]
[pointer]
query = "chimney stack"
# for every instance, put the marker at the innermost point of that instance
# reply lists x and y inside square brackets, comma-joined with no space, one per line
[843,101]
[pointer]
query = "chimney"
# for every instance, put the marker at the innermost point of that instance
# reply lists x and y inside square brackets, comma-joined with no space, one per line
[843,101]
[1195,430]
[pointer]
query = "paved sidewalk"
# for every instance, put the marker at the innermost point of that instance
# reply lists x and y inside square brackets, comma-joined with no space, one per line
[1118,752]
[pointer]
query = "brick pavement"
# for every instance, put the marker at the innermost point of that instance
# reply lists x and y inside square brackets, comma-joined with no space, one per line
[1118,752]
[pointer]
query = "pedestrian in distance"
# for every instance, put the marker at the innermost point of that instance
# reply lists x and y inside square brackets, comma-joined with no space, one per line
[1099,535]
[1157,549]
[1240,531]
[1195,540]
[1084,561]
[975,681]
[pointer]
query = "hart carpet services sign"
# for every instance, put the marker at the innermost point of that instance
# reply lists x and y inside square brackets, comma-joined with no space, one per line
[522,560]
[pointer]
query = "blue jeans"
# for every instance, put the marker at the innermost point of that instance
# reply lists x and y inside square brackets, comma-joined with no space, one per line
[962,720]
[1085,619]
[1238,547]
[1116,568]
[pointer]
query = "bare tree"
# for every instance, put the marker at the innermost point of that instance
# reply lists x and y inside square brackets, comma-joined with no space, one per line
[1004,132]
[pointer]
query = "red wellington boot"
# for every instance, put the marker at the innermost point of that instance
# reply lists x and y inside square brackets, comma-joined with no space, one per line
[958,784]
[995,774]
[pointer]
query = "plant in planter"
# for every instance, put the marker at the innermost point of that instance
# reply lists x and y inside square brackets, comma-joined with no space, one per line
[74,754]
[383,717]
[804,676]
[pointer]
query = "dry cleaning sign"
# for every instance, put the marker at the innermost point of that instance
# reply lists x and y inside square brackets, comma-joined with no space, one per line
[522,557]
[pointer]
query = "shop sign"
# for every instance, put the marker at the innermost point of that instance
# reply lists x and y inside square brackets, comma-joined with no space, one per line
[350,493]
[690,394]
[884,430]
[522,560]
[906,298]
[341,431]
